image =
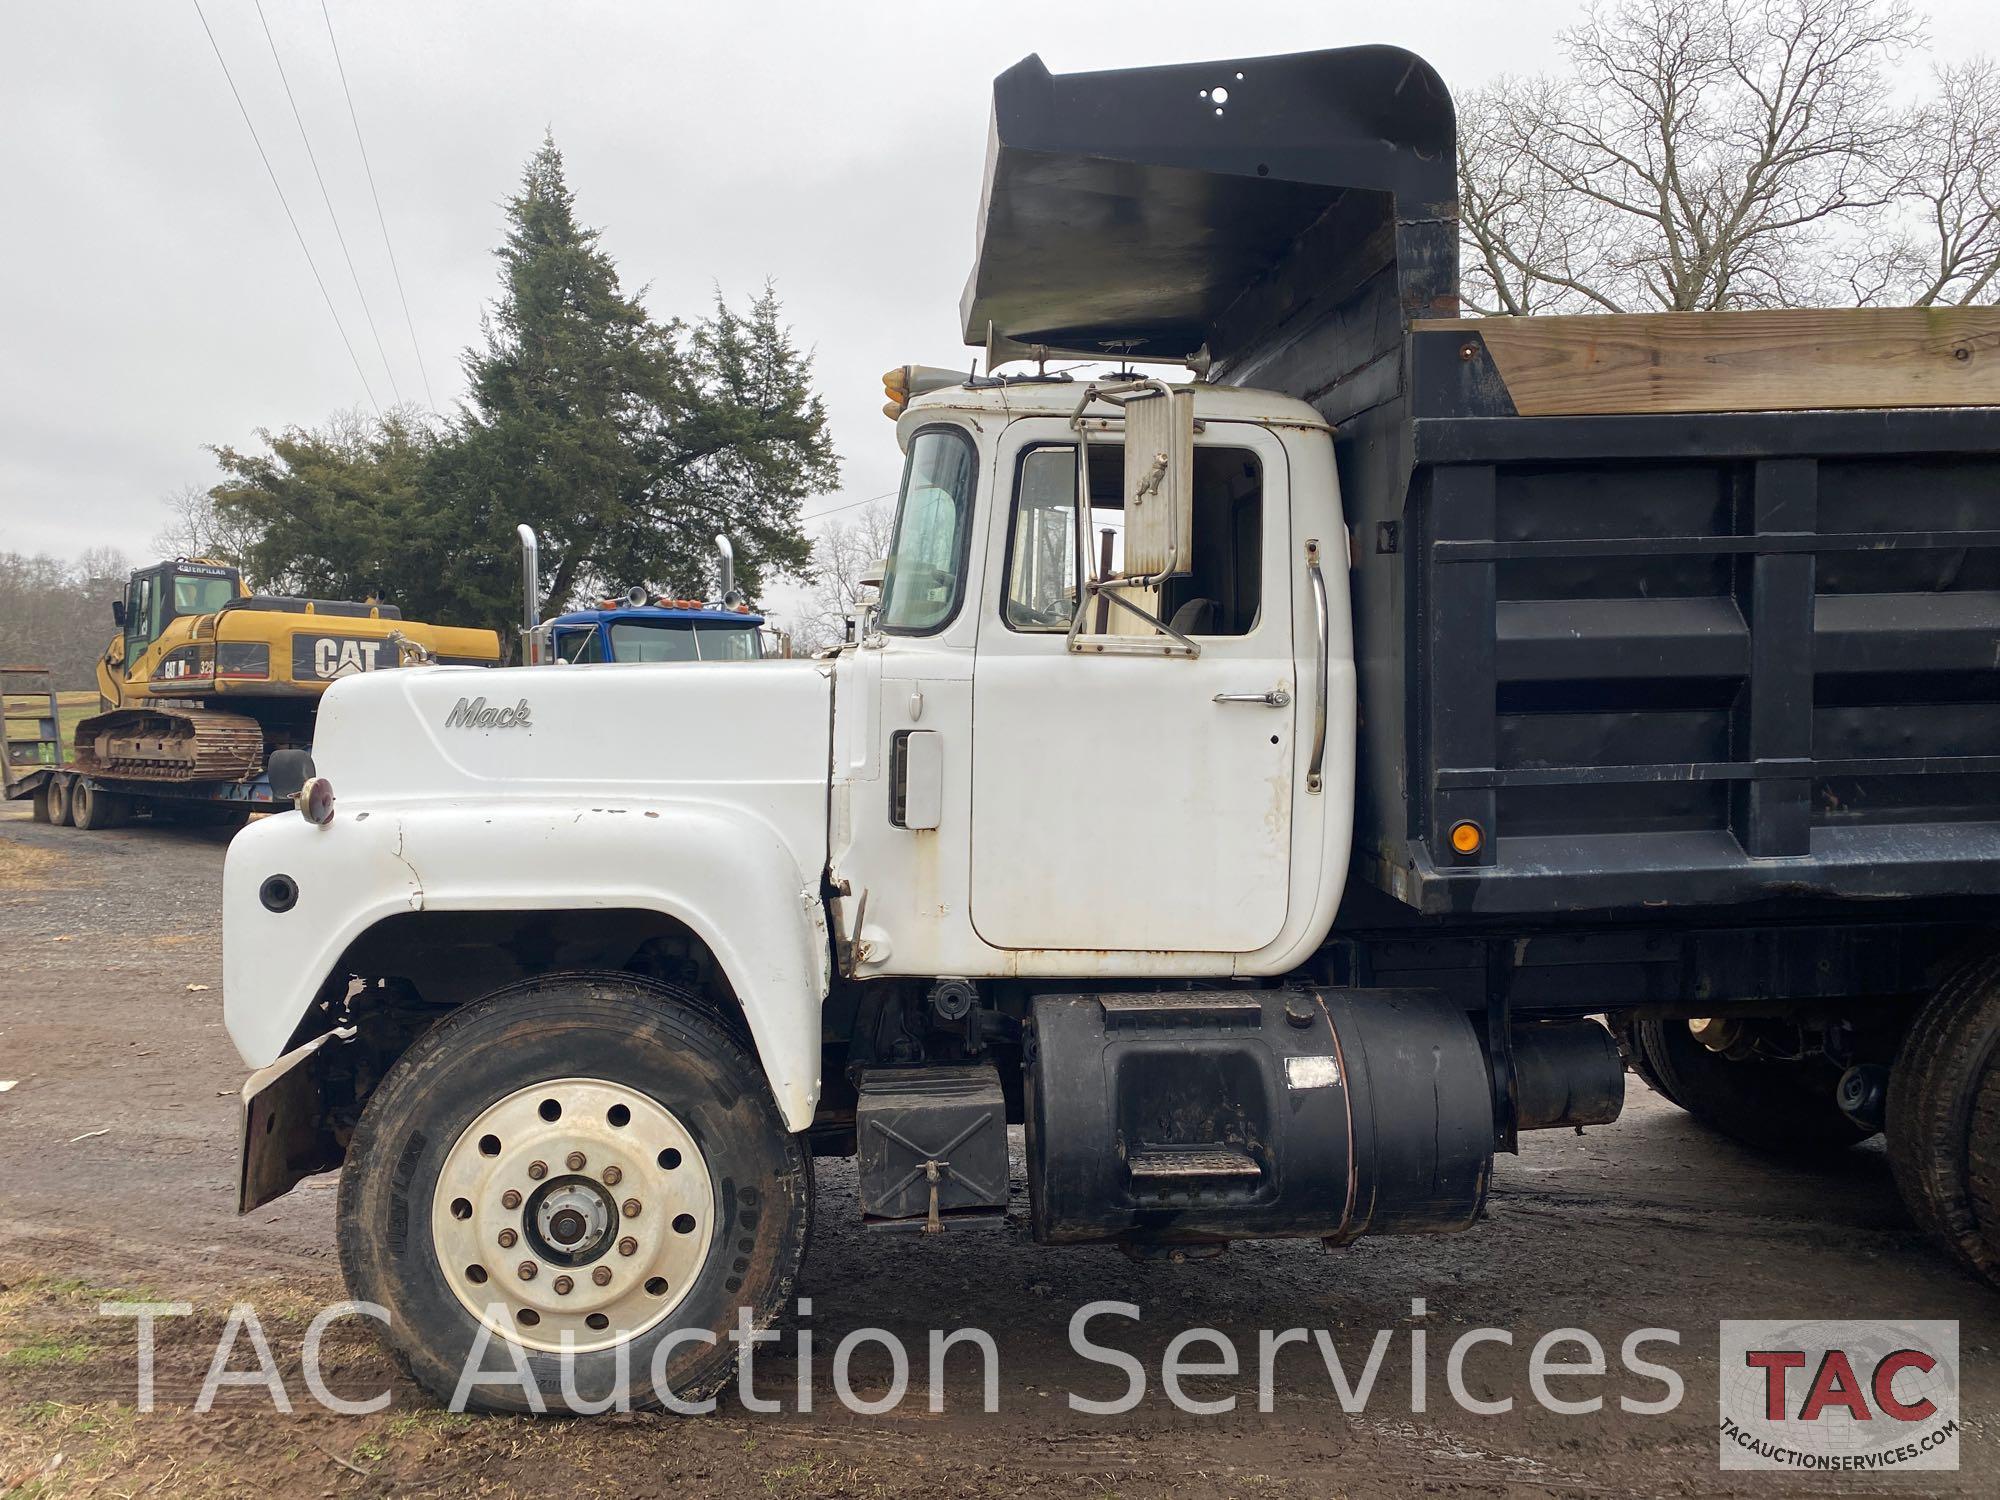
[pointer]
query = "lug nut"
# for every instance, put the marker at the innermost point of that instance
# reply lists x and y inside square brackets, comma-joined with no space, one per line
[602,1276]
[510,1199]
[575,1160]
[628,1246]
[538,1170]
[507,1239]
[612,1176]
[564,1286]
[631,1208]
[527,1270]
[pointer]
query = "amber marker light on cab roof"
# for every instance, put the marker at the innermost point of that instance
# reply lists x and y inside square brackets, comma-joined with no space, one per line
[905,381]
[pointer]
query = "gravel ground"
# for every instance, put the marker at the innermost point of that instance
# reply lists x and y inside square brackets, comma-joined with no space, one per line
[117,1171]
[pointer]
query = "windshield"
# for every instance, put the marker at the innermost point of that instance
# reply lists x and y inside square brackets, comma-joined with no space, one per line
[201,596]
[920,589]
[678,640]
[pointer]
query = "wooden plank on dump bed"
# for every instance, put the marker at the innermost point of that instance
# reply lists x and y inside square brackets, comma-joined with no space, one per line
[1788,360]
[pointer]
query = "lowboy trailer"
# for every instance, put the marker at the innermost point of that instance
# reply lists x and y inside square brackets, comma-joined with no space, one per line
[1254,785]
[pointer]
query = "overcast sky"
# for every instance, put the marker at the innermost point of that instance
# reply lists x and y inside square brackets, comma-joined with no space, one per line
[155,299]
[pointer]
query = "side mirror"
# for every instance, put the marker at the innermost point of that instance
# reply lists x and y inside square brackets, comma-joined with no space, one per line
[1158,455]
[289,770]
[1159,483]
[118,613]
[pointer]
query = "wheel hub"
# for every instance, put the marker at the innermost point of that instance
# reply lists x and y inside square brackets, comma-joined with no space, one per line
[569,1221]
[632,1218]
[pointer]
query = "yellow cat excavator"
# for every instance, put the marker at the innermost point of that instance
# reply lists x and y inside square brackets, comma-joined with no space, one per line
[205,681]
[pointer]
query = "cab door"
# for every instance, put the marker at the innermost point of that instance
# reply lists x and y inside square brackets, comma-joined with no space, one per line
[1135,800]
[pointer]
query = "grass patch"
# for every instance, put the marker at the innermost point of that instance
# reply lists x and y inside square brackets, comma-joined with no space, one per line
[70,1291]
[71,710]
[47,1351]
[430,1419]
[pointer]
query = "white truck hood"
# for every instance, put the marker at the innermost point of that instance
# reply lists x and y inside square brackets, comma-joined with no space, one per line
[424,733]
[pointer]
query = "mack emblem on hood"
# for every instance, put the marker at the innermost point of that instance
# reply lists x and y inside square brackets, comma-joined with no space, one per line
[472,713]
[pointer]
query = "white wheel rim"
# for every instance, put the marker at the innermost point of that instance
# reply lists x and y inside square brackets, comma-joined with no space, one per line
[611,1244]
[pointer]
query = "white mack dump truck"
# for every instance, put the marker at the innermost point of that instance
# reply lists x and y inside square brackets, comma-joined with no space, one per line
[1253,784]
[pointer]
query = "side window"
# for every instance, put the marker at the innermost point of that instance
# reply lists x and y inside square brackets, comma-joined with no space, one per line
[139,628]
[578,647]
[926,574]
[1219,594]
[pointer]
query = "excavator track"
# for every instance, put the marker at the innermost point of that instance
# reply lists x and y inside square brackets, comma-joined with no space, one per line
[170,744]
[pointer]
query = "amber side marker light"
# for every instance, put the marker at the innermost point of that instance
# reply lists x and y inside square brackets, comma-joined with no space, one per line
[1467,837]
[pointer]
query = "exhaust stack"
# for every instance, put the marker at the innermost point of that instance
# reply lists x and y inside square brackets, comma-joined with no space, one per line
[531,576]
[728,566]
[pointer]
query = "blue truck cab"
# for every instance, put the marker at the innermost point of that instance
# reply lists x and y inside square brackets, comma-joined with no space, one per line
[660,630]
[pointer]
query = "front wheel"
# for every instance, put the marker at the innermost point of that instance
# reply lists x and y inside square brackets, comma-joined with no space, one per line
[583,1165]
[59,791]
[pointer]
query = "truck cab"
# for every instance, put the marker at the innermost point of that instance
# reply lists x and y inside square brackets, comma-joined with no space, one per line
[666,630]
[1202,725]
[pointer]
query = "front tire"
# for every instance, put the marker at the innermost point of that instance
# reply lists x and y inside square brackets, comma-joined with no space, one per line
[669,1194]
[1780,1106]
[59,791]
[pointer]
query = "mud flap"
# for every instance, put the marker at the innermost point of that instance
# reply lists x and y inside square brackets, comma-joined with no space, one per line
[285,1134]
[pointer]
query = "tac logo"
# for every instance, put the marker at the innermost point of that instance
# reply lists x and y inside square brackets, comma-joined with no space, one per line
[1851,1397]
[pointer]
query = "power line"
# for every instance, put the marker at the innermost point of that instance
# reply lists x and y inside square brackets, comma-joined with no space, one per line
[408,321]
[327,198]
[289,215]
[850,505]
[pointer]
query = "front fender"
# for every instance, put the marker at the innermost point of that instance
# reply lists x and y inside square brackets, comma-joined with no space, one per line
[728,876]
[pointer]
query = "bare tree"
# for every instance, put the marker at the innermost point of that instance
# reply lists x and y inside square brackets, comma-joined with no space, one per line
[195,528]
[1708,154]
[57,614]
[841,554]
[1948,252]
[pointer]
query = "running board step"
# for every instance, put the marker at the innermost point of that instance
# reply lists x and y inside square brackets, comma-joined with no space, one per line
[1190,1164]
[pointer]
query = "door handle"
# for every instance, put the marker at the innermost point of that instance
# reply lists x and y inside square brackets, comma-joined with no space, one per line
[1322,662]
[1276,698]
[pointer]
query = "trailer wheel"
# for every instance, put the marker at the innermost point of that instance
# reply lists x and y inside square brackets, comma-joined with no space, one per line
[1944,1115]
[1778,1106]
[584,1162]
[93,808]
[38,803]
[59,788]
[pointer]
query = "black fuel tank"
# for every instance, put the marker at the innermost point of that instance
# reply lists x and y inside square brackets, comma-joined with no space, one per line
[1205,1115]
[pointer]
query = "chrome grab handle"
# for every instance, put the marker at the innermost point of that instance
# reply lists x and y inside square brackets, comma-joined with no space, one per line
[1320,616]
[1276,698]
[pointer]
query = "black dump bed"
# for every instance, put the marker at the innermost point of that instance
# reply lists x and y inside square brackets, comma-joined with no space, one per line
[1657,653]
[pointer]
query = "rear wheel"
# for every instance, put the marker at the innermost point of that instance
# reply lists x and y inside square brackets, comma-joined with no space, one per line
[92,807]
[1775,1104]
[59,790]
[1944,1115]
[39,803]
[585,1163]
